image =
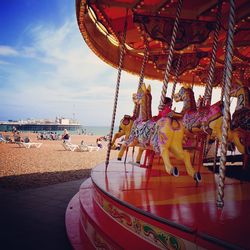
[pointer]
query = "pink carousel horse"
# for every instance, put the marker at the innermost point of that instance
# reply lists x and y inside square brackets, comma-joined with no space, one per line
[208,118]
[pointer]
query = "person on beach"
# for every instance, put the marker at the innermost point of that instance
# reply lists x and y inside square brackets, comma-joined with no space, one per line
[99,142]
[17,137]
[65,136]
[14,130]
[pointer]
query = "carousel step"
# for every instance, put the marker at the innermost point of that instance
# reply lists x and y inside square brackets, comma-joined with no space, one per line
[95,219]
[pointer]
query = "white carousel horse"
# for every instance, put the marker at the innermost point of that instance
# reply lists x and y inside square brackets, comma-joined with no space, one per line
[142,111]
[125,127]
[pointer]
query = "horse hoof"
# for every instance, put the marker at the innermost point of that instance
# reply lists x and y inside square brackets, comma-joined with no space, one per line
[138,162]
[175,171]
[197,177]
[119,159]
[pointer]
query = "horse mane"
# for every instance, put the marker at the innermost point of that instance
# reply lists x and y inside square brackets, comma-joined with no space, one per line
[247,101]
[136,111]
[192,100]
[148,104]
[146,101]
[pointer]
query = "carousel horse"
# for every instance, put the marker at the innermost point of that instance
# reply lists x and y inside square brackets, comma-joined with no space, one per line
[125,127]
[162,136]
[206,118]
[241,115]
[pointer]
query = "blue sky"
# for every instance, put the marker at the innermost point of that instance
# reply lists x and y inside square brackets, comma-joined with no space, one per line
[47,70]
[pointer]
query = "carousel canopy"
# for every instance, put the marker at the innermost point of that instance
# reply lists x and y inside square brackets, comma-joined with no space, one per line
[150,23]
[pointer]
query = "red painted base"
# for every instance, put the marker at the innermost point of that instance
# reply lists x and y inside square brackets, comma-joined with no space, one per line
[130,207]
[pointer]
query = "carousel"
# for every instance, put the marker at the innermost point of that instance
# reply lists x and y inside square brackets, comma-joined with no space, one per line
[182,189]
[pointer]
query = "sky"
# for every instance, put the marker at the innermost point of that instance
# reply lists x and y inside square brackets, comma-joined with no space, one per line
[47,70]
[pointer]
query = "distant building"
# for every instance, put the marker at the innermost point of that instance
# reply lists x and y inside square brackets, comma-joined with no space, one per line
[41,125]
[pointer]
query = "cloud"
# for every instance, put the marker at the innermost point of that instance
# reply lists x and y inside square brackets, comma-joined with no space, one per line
[3,62]
[57,74]
[7,51]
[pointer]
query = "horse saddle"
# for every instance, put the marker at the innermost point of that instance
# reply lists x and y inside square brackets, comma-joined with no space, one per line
[175,119]
[201,118]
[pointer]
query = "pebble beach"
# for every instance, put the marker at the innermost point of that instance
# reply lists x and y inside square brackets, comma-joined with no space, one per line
[22,168]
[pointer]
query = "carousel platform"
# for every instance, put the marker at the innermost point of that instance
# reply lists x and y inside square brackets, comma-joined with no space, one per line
[129,207]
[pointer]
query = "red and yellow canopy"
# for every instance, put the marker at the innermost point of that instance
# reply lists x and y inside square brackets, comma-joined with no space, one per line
[101,23]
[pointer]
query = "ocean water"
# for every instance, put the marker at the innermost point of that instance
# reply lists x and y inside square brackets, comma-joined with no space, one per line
[89,130]
[98,130]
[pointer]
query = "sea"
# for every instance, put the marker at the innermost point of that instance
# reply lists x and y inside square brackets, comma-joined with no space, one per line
[97,130]
[91,130]
[87,130]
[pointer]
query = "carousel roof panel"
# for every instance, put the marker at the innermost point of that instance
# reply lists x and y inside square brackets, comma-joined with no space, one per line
[151,22]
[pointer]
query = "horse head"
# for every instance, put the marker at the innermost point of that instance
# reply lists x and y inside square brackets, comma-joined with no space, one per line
[179,97]
[146,90]
[143,98]
[241,115]
[186,95]
[242,93]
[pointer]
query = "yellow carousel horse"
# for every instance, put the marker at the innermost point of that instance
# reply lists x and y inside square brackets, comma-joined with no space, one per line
[163,136]
[208,118]
[241,118]
[241,115]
